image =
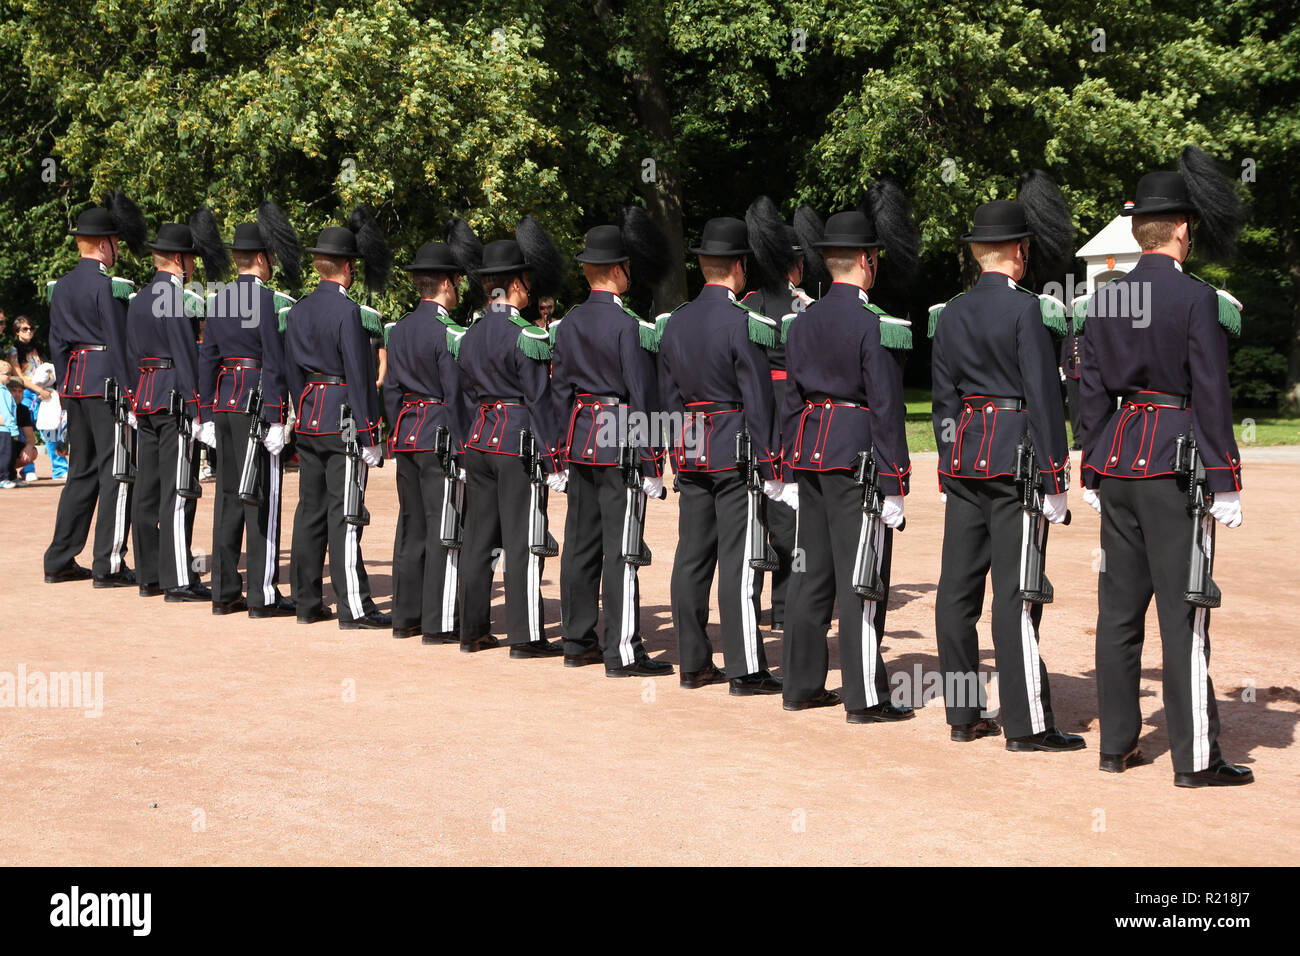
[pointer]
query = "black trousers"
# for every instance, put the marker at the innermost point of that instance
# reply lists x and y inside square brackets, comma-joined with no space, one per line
[984,527]
[712,534]
[830,532]
[231,517]
[1072,403]
[90,482]
[162,522]
[425,574]
[780,526]
[498,509]
[1146,540]
[592,567]
[323,469]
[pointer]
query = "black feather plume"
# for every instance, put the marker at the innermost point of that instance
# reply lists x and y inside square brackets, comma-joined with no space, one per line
[1220,211]
[467,252]
[809,227]
[1051,251]
[773,256]
[545,261]
[126,217]
[892,214]
[281,241]
[206,236]
[646,244]
[373,247]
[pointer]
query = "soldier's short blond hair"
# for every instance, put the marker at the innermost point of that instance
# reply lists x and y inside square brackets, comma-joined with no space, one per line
[1155,229]
[716,268]
[328,267]
[989,254]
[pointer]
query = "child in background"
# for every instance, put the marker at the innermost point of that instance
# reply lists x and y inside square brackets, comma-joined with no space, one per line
[51,422]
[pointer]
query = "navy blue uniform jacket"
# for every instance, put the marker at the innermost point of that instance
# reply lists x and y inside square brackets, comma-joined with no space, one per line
[83,311]
[242,324]
[421,367]
[159,326]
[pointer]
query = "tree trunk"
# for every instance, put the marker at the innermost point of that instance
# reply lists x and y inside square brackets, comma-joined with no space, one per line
[1291,397]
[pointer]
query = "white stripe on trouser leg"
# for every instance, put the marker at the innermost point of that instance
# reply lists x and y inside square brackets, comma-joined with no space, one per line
[870,639]
[748,620]
[451,572]
[352,583]
[1200,673]
[532,581]
[119,530]
[272,529]
[627,630]
[178,517]
[1029,640]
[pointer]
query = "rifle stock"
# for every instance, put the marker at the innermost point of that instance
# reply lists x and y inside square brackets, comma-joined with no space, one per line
[451,529]
[187,483]
[540,540]
[867,582]
[762,556]
[250,476]
[354,497]
[635,551]
[123,440]
[1201,590]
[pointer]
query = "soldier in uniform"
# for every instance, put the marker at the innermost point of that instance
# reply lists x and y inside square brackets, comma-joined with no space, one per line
[163,347]
[994,383]
[1070,376]
[603,380]
[329,364]
[243,351]
[87,346]
[1155,367]
[504,369]
[844,397]
[714,376]
[423,395]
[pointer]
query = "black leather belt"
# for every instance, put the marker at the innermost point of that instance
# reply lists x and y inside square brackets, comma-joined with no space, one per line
[821,398]
[241,363]
[320,378]
[1158,399]
[585,398]
[976,402]
[411,398]
[156,363]
[86,347]
[501,400]
[708,408]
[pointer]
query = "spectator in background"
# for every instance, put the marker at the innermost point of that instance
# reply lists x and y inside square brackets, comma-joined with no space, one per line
[545,312]
[8,429]
[25,357]
[6,340]
[52,422]
[16,420]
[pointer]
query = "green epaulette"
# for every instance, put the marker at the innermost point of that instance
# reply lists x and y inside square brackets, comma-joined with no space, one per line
[762,330]
[371,320]
[1079,312]
[122,288]
[785,326]
[895,333]
[532,341]
[388,330]
[661,322]
[552,330]
[935,310]
[648,330]
[1051,309]
[454,335]
[194,305]
[1229,307]
[283,303]
[49,290]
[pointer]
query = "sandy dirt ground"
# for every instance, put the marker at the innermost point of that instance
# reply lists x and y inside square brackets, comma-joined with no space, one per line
[224,740]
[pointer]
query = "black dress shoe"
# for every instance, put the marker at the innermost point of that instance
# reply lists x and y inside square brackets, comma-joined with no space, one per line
[191,592]
[446,637]
[542,648]
[880,714]
[593,655]
[1050,740]
[150,590]
[1218,774]
[123,579]
[760,682]
[73,572]
[984,727]
[702,677]
[482,643]
[373,621]
[406,631]
[1118,763]
[282,607]
[641,667]
[312,617]
[827,698]
[237,606]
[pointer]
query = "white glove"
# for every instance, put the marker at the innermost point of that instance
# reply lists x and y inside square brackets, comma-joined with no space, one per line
[891,511]
[274,440]
[207,433]
[1054,507]
[653,487]
[790,495]
[1092,497]
[1227,508]
[773,489]
[460,474]
[372,455]
[557,480]
[130,420]
[943,497]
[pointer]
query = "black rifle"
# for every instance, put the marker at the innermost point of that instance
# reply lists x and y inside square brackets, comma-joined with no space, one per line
[1190,472]
[762,556]
[354,497]
[1034,586]
[187,482]
[123,443]
[540,541]
[452,528]
[635,551]
[250,477]
[867,582]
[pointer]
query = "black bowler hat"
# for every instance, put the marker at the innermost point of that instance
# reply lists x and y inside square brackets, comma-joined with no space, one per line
[849,230]
[248,238]
[173,237]
[604,247]
[1160,192]
[433,257]
[723,236]
[999,221]
[503,257]
[337,241]
[95,221]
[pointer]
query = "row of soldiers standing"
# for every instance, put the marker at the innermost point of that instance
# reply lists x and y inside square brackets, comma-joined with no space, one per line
[776,406]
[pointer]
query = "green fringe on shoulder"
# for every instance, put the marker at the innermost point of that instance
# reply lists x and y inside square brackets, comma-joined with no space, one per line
[122,288]
[535,344]
[895,333]
[1229,308]
[935,311]
[785,326]
[454,334]
[48,292]
[1080,313]
[194,305]
[371,320]
[1052,310]
[762,330]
